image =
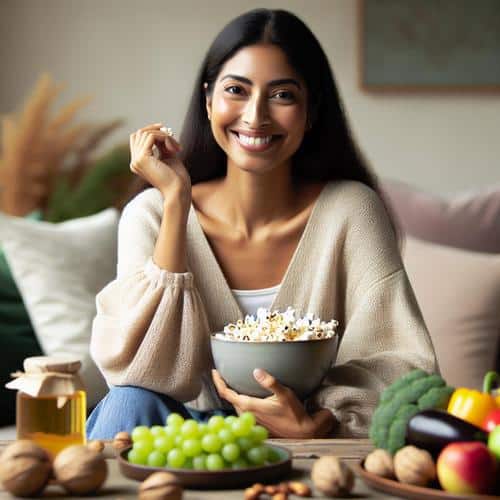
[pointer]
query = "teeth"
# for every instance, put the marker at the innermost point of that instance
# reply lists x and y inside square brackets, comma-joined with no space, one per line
[255,141]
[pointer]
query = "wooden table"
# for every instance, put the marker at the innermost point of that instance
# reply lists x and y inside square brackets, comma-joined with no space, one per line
[304,452]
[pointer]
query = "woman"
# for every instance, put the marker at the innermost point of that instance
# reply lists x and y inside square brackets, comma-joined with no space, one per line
[268,195]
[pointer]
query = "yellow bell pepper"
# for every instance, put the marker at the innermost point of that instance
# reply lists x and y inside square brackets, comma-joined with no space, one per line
[472,405]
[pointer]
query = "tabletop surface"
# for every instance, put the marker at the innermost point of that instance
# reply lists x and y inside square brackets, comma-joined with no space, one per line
[305,452]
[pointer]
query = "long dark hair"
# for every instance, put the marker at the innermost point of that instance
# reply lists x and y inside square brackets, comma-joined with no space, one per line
[328,151]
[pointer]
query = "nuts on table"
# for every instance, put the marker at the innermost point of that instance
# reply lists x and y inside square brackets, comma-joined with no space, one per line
[271,489]
[254,491]
[277,491]
[80,470]
[121,441]
[160,486]
[279,496]
[414,466]
[332,476]
[24,468]
[299,489]
[380,462]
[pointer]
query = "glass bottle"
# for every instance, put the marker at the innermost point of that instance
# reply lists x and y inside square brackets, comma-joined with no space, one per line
[51,405]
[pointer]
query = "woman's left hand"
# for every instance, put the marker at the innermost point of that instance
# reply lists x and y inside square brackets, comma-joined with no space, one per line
[282,413]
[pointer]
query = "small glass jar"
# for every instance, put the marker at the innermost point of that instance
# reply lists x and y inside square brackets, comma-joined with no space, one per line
[51,406]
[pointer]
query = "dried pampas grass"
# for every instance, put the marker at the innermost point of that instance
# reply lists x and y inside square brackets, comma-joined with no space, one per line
[33,147]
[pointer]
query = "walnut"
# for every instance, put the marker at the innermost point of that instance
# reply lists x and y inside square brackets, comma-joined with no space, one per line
[380,462]
[160,486]
[332,476]
[96,445]
[414,466]
[121,441]
[80,470]
[24,468]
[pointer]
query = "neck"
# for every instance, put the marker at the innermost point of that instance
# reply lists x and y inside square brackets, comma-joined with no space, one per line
[255,201]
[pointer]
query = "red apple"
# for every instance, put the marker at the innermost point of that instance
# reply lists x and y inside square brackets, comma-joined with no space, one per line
[467,468]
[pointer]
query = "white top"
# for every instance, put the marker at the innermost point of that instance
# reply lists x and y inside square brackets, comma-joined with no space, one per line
[250,300]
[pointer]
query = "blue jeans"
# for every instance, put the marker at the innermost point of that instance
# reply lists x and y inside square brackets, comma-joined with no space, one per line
[125,407]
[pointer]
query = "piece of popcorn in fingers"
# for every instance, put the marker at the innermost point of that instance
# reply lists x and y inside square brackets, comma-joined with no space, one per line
[156,151]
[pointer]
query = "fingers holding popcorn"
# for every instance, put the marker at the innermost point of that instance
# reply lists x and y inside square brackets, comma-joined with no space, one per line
[153,157]
[155,141]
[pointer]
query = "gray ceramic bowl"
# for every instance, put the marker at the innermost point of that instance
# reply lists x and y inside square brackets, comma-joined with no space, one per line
[300,365]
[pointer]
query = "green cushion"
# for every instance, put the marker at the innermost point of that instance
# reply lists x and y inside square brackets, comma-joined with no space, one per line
[17,337]
[19,342]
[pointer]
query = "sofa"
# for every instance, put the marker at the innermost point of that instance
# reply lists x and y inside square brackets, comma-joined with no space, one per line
[450,248]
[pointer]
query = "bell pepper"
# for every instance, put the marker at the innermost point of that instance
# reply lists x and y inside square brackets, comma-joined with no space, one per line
[491,420]
[472,405]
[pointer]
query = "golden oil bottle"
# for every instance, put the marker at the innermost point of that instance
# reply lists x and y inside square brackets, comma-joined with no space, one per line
[51,406]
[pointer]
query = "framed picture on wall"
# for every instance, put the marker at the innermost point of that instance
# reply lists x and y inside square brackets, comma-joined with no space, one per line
[429,45]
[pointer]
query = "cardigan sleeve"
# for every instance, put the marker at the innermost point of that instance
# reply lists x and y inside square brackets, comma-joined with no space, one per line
[384,338]
[151,328]
[384,334]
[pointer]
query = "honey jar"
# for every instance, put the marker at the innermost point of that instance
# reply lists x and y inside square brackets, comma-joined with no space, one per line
[51,404]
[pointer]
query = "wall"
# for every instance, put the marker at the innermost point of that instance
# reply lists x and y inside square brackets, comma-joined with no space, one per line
[139,60]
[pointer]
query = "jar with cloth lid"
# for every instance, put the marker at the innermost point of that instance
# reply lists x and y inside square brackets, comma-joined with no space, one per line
[51,405]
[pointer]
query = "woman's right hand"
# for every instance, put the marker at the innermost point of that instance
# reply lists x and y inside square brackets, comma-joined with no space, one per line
[168,174]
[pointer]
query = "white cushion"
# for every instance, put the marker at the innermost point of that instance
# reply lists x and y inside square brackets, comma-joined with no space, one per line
[59,269]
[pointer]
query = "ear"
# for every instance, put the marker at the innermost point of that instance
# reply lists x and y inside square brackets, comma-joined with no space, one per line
[208,101]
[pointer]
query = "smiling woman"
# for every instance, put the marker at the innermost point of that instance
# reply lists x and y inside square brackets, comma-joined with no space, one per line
[267,197]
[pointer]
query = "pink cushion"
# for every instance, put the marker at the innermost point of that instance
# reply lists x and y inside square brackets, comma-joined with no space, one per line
[459,294]
[470,221]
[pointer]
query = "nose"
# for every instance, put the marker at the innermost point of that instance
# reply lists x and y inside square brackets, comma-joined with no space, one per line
[256,112]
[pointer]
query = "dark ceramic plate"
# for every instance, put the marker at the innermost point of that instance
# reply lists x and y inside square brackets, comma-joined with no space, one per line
[223,479]
[408,491]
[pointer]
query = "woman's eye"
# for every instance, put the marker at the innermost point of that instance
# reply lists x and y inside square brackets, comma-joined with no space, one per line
[284,95]
[234,89]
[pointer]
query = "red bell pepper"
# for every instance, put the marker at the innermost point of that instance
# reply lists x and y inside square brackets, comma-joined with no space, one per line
[491,420]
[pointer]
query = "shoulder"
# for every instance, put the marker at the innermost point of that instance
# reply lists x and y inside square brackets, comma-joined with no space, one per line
[143,212]
[361,225]
[353,199]
[358,212]
[350,190]
[149,201]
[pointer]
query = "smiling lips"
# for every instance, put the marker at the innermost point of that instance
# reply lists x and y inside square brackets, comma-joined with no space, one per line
[255,143]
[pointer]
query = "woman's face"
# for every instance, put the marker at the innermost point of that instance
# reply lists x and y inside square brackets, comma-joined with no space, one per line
[258,109]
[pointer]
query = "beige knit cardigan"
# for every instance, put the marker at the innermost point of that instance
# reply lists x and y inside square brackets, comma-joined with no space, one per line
[152,326]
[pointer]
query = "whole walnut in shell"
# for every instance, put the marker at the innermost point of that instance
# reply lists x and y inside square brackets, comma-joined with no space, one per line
[80,470]
[414,466]
[24,468]
[332,477]
[160,486]
[380,462]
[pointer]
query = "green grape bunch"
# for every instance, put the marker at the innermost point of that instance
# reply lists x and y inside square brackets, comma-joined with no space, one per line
[221,443]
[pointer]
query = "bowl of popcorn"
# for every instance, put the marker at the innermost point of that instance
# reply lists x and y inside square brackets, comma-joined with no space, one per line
[297,351]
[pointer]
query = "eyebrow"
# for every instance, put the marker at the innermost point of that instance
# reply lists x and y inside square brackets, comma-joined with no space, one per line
[272,83]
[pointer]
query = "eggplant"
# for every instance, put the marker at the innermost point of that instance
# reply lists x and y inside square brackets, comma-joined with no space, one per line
[432,430]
